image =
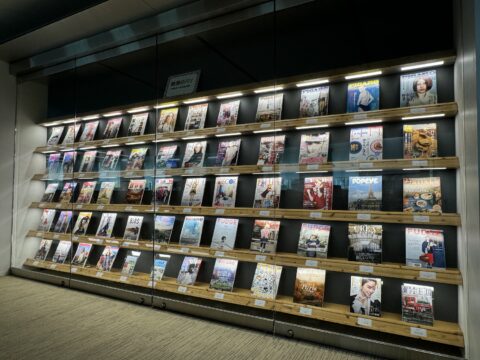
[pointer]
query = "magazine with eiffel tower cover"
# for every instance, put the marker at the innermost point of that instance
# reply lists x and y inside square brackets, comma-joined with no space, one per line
[82,222]
[81,255]
[88,161]
[112,128]
[265,281]
[89,131]
[43,249]
[365,193]
[55,135]
[223,276]
[365,243]
[86,192]
[138,123]
[366,143]
[49,193]
[105,192]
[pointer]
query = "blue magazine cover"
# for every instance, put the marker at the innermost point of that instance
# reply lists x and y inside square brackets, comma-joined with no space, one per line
[363,96]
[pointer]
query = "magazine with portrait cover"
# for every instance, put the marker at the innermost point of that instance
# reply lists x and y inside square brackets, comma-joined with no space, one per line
[71,135]
[88,161]
[196,116]
[363,96]
[420,141]
[138,123]
[89,131]
[112,128]
[265,236]
[61,252]
[417,304]
[422,195]
[224,234]
[110,160]
[228,113]
[269,108]
[81,255]
[136,159]
[163,228]
[133,228]
[366,295]
[49,193]
[81,225]
[105,192]
[68,191]
[189,270]
[365,243]
[227,154]
[68,162]
[43,249]
[424,248]
[318,193]
[223,276]
[267,192]
[130,262]
[265,281]
[53,164]
[225,191]
[365,193]
[55,135]
[193,192]
[164,154]
[107,258]
[63,222]
[309,286]
[194,154]
[314,102]
[135,191]
[271,150]
[106,225]
[314,148]
[191,230]
[313,240]
[167,120]
[46,220]
[366,143]
[86,192]
[418,89]
[163,191]
[159,265]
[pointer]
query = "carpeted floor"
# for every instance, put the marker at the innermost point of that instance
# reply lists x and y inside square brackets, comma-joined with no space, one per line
[41,321]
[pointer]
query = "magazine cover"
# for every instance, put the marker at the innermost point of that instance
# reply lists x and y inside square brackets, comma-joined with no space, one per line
[363,96]
[313,240]
[189,270]
[365,243]
[309,286]
[81,255]
[130,262]
[49,193]
[46,220]
[196,117]
[81,225]
[112,128]
[269,108]
[88,161]
[227,154]
[417,304]
[71,135]
[318,193]
[55,135]
[314,102]
[163,228]
[67,193]
[165,153]
[191,230]
[136,189]
[133,228]
[223,276]
[105,192]
[193,192]
[89,131]
[159,265]
[163,191]
[43,250]
[63,222]
[86,193]
[424,248]
[225,234]
[61,253]
[167,120]
[265,281]
[314,148]
[68,163]
[107,258]
[136,159]
[194,154]
[365,193]
[418,89]
[110,160]
[228,113]
[265,235]
[420,141]
[225,191]
[366,143]
[53,164]
[267,192]
[138,123]
[366,295]
[271,150]
[107,222]
[422,195]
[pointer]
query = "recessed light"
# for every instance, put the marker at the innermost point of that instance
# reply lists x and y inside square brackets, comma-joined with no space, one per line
[228,96]
[193,137]
[422,116]
[165,106]
[229,134]
[311,127]
[266,131]
[268,89]
[137,110]
[375,121]
[91,117]
[312,83]
[114,113]
[363,75]
[195,101]
[422,66]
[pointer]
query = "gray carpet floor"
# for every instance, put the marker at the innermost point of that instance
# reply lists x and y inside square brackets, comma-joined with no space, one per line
[41,321]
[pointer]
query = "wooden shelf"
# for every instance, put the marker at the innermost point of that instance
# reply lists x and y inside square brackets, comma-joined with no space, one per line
[392,270]
[441,332]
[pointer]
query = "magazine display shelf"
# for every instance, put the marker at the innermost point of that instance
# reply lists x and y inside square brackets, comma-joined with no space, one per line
[442,332]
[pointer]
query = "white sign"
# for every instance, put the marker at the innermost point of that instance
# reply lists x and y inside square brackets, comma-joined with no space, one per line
[417,111]
[187,210]
[260,258]
[430,275]
[313,167]
[259,302]
[219,211]
[219,254]
[365,268]
[311,263]
[219,296]
[182,84]
[316,215]
[305,311]
[364,322]
[421,218]
[182,289]
[364,217]
[264,213]
[419,163]
[365,165]
[418,332]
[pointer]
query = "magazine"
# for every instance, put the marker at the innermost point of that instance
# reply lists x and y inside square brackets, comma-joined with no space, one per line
[366,295]
[138,123]
[228,113]
[191,230]
[365,243]
[159,265]
[133,228]
[365,193]
[418,89]
[163,191]
[194,154]
[55,135]
[424,248]
[49,193]
[265,235]
[422,195]
[366,143]
[81,225]
[314,148]
[68,163]
[318,193]
[89,131]
[269,108]
[62,251]
[314,102]
[165,153]
[196,117]
[271,150]
[223,276]
[163,228]
[136,159]
[225,191]
[81,255]
[420,141]
[110,160]
[67,193]
[313,240]
[225,234]
[43,249]
[106,225]
[136,189]
[227,154]
[86,193]
[71,135]
[267,192]
[265,281]
[189,270]
[193,192]
[46,220]
[167,120]
[88,161]
[53,164]
[417,304]
[130,262]
[63,222]
[107,258]
[112,128]
[105,193]
[309,286]
[363,96]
